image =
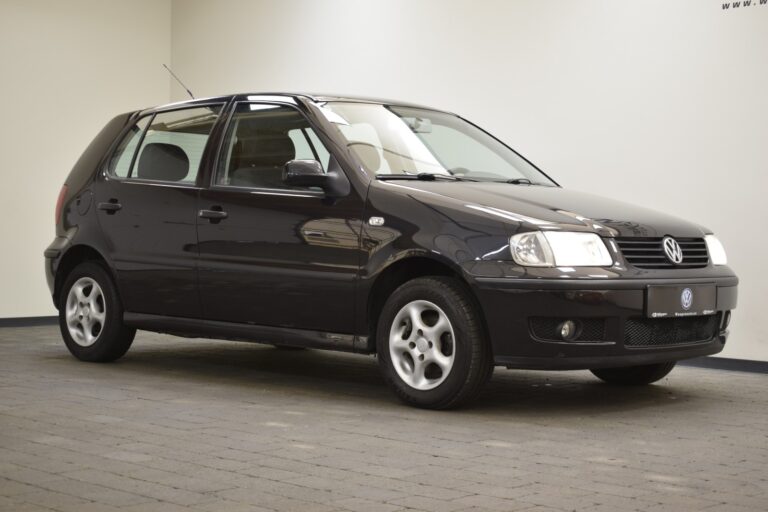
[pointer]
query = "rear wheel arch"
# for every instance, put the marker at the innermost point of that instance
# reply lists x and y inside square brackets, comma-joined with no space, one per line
[74,256]
[91,314]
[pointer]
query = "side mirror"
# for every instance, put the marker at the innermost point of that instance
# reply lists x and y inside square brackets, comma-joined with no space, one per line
[304,173]
[309,173]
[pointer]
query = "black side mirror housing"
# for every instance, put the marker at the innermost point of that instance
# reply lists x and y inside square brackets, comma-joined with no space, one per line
[309,173]
[304,173]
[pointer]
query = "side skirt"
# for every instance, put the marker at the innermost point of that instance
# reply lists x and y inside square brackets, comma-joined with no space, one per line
[198,328]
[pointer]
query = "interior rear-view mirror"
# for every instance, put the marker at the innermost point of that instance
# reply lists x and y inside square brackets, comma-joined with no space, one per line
[419,124]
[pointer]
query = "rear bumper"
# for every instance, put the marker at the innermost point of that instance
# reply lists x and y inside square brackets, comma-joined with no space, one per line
[512,305]
[52,255]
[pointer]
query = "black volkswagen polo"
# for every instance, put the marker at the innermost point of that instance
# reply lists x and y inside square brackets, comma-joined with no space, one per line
[375,227]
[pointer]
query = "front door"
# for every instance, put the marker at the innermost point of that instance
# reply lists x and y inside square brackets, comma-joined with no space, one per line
[146,204]
[271,254]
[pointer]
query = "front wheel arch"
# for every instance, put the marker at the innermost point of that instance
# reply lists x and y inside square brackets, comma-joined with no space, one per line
[470,355]
[400,272]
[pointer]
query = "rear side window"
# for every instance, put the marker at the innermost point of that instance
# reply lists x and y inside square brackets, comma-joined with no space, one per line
[120,164]
[170,146]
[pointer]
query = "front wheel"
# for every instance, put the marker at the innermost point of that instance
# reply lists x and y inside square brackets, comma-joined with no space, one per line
[431,345]
[634,375]
[91,315]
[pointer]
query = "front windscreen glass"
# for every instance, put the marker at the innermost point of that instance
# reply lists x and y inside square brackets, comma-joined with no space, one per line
[392,140]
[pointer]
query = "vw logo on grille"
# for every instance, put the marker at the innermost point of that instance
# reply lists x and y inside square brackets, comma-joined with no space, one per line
[686,299]
[672,250]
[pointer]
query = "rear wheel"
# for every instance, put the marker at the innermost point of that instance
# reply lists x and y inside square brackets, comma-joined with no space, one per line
[91,315]
[634,375]
[431,346]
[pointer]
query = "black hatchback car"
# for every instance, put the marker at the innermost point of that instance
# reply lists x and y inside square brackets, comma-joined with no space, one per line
[374,227]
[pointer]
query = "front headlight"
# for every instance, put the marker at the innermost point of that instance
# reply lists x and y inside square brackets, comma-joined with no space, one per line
[559,249]
[716,250]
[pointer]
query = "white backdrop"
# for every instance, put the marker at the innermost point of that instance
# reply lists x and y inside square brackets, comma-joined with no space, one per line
[662,103]
[66,68]
[658,102]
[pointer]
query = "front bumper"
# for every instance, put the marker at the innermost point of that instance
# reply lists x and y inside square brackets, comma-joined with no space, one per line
[511,305]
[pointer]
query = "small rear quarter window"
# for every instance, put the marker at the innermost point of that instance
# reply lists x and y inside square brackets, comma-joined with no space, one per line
[167,147]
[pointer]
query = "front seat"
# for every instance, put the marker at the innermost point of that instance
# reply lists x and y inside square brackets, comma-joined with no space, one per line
[258,160]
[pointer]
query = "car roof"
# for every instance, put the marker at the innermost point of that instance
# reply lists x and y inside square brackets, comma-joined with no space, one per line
[316,98]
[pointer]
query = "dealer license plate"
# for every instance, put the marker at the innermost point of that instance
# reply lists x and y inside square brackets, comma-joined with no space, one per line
[680,300]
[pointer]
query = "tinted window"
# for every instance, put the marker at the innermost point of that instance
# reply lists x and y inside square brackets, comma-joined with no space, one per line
[120,163]
[308,146]
[260,140]
[406,140]
[171,147]
[458,150]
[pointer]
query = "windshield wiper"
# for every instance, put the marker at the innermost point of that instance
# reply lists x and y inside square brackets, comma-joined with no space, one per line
[422,176]
[400,177]
[519,181]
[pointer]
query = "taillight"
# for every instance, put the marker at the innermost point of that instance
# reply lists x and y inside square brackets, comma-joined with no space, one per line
[60,203]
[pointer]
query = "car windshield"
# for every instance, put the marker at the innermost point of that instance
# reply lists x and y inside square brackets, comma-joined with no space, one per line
[394,141]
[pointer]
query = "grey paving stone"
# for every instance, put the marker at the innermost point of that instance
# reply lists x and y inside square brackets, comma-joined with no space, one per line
[361,505]
[210,426]
[424,503]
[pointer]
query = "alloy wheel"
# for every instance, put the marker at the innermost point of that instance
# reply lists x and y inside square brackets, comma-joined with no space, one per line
[421,345]
[85,311]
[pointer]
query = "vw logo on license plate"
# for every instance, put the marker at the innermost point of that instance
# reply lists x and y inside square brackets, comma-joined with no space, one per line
[686,299]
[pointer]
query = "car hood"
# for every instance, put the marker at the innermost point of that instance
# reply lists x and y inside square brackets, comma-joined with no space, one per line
[549,207]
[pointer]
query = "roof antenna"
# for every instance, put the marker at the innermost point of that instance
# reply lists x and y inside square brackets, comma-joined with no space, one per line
[180,82]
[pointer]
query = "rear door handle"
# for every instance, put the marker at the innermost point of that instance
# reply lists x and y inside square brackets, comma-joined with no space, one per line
[110,207]
[213,215]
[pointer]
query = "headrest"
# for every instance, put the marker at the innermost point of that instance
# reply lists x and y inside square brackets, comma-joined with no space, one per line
[368,155]
[270,149]
[161,161]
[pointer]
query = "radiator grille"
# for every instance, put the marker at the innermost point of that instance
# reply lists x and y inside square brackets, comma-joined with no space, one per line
[654,332]
[649,253]
[546,328]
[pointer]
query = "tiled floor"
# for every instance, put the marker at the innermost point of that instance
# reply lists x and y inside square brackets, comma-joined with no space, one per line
[219,426]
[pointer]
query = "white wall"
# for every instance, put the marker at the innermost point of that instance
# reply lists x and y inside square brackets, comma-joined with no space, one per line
[659,102]
[66,68]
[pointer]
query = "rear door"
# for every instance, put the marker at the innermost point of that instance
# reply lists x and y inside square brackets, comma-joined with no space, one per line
[147,208]
[276,255]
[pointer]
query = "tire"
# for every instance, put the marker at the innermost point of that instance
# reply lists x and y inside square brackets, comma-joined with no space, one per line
[91,315]
[634,375]
[409,360]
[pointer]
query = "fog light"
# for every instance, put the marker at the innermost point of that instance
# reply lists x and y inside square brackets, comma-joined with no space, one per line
[568,330]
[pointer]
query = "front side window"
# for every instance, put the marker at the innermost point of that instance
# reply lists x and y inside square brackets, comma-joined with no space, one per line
[170,146]
[404,140]
[260,140]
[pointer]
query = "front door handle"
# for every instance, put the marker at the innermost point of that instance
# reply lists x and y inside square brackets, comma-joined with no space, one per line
[215,214]
[110,207]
